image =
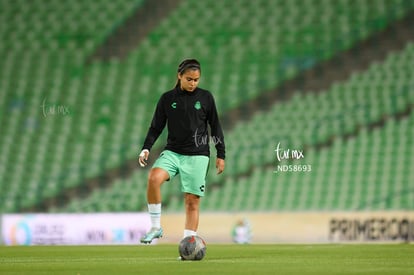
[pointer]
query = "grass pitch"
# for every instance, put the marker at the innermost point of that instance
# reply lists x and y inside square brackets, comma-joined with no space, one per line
[220,259]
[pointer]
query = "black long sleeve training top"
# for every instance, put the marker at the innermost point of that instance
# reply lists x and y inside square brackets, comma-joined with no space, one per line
[187,115]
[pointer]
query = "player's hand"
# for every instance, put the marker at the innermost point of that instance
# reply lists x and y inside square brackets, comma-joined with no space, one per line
[143,157]
[220,165]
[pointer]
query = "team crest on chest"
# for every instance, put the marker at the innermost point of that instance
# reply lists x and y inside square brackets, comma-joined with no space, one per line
[197,105]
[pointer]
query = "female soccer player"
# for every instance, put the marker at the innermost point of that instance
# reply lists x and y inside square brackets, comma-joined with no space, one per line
[187,110]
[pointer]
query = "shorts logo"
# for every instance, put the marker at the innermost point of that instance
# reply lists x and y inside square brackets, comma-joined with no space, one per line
[202,187]
[197,105]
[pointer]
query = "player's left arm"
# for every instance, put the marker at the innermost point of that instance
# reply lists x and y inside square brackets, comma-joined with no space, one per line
[217,136]
[220,164]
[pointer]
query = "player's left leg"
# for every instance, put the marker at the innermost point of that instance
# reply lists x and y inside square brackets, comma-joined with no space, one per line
[193,171]
[192,212]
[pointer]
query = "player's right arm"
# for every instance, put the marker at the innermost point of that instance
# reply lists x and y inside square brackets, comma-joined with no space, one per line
[158,122]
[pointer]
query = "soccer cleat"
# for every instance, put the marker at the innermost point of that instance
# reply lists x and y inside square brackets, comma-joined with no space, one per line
[154,233]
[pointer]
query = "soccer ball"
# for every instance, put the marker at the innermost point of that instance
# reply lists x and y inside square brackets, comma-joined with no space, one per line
[192,248]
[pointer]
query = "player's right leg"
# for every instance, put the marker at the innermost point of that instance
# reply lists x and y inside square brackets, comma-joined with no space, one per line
[156,178]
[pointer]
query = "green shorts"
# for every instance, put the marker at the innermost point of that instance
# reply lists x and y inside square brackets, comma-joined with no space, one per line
[192,170]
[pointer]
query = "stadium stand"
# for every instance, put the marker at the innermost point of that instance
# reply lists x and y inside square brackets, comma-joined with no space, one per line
[47,109]
[370,171]
[242,36]
[64,122]
[351,174]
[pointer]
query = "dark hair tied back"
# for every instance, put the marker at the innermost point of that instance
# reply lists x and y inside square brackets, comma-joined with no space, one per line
[188,64]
